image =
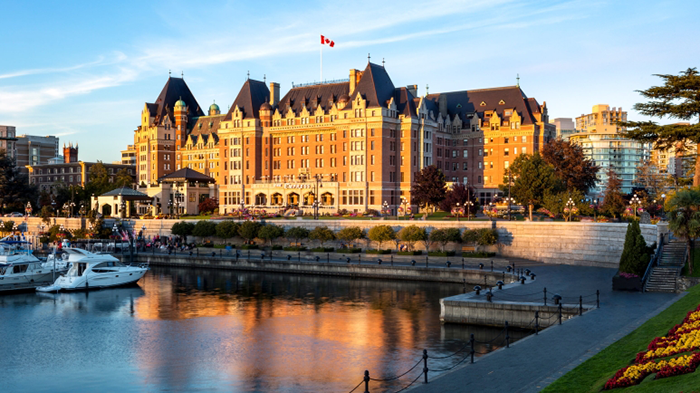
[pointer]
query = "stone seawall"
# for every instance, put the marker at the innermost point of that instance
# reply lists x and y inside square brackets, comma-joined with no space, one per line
[410,273]
[575,243]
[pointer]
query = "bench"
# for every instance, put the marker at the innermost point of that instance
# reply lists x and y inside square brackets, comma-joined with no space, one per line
[468,249]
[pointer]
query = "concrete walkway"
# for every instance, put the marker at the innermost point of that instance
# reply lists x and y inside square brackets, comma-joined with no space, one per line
[530,364]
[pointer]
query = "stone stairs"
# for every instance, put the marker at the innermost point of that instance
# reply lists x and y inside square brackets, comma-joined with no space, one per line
[664,275]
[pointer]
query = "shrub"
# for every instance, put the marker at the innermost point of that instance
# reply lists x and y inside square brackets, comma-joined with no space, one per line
[249,247]
[378,252]
[182,229]
[441,253]
[381,234]
[273,248]
[350,234]
[323,249]
[470,236]
[444,236]
[487,236]
[227,229]
[204,228]
[294,249]
[322,234]
[478,254]
[635,254]
[412,234]
[352,250]
[208,206]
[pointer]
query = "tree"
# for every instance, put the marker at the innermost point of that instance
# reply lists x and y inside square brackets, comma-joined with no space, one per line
[98,182]
[46,213]
[444,236]
[322,234]
[429,187]
[634,258]
[412,234]
[571,166]
[270,232]
[534,178]
[249,230]
[182,229]
[684,218]
[613,202]
[556,203]
[204,228]
[15,190]
[678,98]
[227,229]
[350,234]
[208,206]
[459,193]
[381,234]
[297,233]
[123,179]
[487,236]
[648,176]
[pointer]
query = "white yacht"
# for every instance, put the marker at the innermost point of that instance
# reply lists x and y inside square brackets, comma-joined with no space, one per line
[21,270]
[89,271]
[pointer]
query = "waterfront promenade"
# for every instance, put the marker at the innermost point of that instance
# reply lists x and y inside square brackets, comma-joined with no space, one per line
[536,361]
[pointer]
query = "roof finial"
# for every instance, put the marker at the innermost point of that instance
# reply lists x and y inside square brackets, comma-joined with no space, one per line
[368,57]
[265,78]
[427,89]
[182,74]
[518,80]
[248,77]
[169,73]
[382,62]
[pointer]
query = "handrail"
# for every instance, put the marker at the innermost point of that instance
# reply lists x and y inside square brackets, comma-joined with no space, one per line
[652,264]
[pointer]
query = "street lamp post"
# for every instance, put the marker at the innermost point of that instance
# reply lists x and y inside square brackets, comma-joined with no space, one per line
[114,234]
[663,201]
[457,211]
[570,206]
[404,204]
[385,208]
[468,207]
[635,202]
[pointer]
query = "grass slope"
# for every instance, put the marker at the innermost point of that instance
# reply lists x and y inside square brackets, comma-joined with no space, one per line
[591,375]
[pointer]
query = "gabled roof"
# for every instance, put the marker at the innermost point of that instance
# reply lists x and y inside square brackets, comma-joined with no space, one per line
[187,174]
[175,89]
[205,124]
[405,102]
[470,101]
[323,95]
[375,86]
[252,95]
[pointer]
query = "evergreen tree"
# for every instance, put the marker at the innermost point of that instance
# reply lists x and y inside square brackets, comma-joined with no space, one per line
[678,98]
[634,258]
[15,190]
[684,218]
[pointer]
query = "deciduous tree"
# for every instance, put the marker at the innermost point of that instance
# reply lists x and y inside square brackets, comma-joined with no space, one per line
[613,202]
[534,178]
[429,187]
[412,234]
[459,193]
[270,232]
[571,166]
[381,234]
[322,234]
[350,234]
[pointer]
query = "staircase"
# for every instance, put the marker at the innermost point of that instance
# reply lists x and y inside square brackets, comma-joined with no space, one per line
[663,276]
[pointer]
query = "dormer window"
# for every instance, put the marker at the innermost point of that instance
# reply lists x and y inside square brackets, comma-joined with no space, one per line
[482,103]
[501,102]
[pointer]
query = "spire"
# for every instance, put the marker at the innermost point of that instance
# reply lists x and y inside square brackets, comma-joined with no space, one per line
[182,74]
[517,83]
[382,62]
[248,76]
[427,89]
[368,57]
[169,73]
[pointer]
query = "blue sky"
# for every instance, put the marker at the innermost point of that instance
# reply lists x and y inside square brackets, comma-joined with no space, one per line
[83,70]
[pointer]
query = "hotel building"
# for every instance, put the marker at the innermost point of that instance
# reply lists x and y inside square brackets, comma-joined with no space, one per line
[352,144]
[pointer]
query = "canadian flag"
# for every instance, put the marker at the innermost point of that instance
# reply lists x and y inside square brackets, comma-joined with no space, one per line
[326,41]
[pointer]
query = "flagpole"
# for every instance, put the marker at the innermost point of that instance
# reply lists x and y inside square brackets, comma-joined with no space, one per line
[321,63]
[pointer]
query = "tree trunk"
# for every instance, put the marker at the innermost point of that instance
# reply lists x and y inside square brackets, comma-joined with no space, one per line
[696,177]
[691,252]
[529,206]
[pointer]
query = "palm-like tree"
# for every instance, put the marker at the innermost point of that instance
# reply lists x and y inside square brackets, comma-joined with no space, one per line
[684,221]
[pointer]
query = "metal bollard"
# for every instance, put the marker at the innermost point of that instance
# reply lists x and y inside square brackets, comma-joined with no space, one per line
[366,379]
[298,256]
[448,263]
[379,261]
[462,263]
[560,313]
[426,261]
[425,365]
[359,259]
[471,344]
[537,323]
[197,251]
[392,259]
[492,265]
[249,254]
[328,257]
[580,305]
[220,253]
[597,298]
[545,296]
[507,336]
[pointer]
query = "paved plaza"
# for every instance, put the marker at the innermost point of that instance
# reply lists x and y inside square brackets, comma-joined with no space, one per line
[532,363]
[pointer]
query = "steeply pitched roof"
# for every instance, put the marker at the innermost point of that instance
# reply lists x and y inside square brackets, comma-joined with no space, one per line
[252,95]
[470,101]
[323,95]
[405,102]
[375,86]
[187,174]
[175,89]
[205,124]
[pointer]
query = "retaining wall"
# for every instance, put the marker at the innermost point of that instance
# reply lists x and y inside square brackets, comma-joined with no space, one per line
[575,243]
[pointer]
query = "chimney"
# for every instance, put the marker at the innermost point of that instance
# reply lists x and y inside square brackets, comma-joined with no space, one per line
[274,93]
[355,76]
[413,89]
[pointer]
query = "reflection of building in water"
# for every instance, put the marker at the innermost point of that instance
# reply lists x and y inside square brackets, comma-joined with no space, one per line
[357,142]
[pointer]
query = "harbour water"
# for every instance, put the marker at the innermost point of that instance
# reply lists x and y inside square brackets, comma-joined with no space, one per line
[194,330]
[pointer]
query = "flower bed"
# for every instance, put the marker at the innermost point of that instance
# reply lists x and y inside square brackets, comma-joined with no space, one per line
[683,339]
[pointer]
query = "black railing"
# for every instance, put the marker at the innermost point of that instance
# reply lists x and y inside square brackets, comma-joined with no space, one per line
[654,261]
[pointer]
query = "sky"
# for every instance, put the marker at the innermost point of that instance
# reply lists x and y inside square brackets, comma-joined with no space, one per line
[83,70]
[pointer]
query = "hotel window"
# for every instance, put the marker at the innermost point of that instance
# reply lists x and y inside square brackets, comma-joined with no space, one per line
[505,152]
[371,145]
[465,166]
[524,139]
[515,151]
[479,165]
[345,146]
[465,153]
[371,132]
[371,174]
[507,164]
[524,150]
[491,165]
[479,180]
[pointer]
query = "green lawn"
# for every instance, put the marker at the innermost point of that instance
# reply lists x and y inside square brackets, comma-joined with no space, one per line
[591,375]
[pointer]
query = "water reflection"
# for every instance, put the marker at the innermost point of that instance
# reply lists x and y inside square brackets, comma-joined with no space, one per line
[189,329]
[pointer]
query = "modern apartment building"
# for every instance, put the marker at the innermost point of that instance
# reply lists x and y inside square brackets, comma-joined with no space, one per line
[35,150]
[8,139]
[351,144]
[600,137]
[128,156]
[565,127]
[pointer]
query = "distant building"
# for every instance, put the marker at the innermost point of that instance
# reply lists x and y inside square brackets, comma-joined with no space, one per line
[565,127]
[69,172]
[35,150]
[8,139]
[600,137]
[129,156]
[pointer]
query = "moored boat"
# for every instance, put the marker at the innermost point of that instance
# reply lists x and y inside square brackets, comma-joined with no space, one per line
[91,271]
[21,270]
